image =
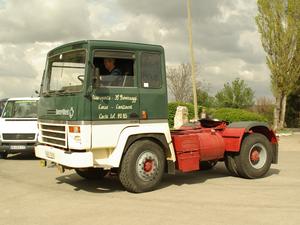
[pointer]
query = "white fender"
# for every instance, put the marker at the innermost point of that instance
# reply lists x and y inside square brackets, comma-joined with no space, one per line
[115,158]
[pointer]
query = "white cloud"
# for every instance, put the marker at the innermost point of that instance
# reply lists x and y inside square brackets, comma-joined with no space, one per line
[35,20]
[226,41]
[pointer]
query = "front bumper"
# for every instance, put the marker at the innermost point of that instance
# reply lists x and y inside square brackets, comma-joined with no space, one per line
[16,147]
[65,158]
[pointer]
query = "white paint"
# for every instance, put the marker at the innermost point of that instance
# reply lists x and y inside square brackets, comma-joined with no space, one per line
[73,160]
[103,136]
[115,158]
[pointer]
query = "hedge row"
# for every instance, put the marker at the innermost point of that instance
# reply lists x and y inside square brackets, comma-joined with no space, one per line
[234,115]
[227,114]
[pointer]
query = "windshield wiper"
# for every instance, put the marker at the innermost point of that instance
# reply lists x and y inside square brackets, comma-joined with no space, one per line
[64,92]
[48,93]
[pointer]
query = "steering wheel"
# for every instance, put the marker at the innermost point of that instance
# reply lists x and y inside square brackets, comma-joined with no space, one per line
[80,77]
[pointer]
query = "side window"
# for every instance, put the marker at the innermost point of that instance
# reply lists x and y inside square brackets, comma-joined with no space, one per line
[114,69]
[151,70]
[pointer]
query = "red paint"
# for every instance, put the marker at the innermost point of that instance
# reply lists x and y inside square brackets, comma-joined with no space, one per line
[188,161]
[254,156]
[212,145]
[193,144]
[148,165]
[233,138]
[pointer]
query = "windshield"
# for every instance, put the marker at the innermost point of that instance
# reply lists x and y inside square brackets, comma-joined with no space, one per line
[2,104]
[20,109]
[65,72]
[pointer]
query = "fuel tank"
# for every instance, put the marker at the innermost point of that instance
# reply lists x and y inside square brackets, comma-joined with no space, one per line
[207,142]
[212,145]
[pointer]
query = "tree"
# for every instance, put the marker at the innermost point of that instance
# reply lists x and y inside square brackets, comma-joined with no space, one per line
[204,99]
[235,95]
[179,82]
[293,108]
[278,22]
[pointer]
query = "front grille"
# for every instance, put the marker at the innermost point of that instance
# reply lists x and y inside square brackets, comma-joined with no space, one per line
[27,137]
[54,134]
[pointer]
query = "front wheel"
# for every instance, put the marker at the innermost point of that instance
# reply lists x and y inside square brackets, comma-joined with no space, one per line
[142,166]
[255,157]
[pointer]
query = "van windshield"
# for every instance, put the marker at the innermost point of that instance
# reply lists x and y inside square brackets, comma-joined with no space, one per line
[65,72]
[20,109]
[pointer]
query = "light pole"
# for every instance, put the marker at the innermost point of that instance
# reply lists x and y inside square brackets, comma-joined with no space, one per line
[192,58]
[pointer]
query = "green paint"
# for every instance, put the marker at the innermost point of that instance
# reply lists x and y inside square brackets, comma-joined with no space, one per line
[109,103]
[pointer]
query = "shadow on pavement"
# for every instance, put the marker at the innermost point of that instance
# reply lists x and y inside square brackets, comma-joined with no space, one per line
[272,172]
[111,183]
[195,177]
[22,156]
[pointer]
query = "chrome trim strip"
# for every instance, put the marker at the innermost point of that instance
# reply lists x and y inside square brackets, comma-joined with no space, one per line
[100,122]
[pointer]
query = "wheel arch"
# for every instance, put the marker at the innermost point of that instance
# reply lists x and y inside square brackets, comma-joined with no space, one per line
[158,138]
[257,127]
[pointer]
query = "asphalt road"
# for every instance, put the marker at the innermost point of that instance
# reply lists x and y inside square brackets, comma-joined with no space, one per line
[32,195]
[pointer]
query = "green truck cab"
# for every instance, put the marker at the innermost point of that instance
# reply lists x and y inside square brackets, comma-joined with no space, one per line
[88,117]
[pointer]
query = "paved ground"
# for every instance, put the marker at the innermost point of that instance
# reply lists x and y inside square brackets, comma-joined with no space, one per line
[33,195]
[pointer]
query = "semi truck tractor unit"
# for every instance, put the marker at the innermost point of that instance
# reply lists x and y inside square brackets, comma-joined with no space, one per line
[103,107]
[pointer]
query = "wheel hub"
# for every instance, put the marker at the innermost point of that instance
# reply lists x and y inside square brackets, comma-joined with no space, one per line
[146,166]
[258,155]
[254,156]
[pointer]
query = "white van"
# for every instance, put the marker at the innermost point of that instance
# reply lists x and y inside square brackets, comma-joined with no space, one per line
[18,126]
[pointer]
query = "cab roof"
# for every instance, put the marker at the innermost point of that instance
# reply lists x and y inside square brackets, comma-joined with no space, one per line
[105,44]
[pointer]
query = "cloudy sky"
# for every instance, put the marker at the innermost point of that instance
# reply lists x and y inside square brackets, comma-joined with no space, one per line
[227,44]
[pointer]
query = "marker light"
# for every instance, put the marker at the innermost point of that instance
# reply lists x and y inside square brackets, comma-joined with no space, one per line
[74,129]
[144,115]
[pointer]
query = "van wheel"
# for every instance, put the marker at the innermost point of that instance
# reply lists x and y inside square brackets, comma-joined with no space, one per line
[91,173]
[3,155]
[142,166]
[255,157]
[230,164]
[207,165]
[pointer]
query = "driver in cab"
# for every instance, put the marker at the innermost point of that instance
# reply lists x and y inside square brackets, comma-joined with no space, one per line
[109,64]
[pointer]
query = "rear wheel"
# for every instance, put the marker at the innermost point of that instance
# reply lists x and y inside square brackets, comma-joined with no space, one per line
[142,166]
[230,164]
[91,173]
[255,157]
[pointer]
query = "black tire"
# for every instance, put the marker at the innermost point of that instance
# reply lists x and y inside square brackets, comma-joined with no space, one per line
[142,166]
[3,155]
[230,164]
[91,173]
[207,165]
[255,157]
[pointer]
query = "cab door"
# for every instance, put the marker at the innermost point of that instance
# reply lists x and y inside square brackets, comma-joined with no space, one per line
[115,98]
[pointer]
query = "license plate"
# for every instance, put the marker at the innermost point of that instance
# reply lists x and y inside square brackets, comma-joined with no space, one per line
[50,155]
[17,147]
